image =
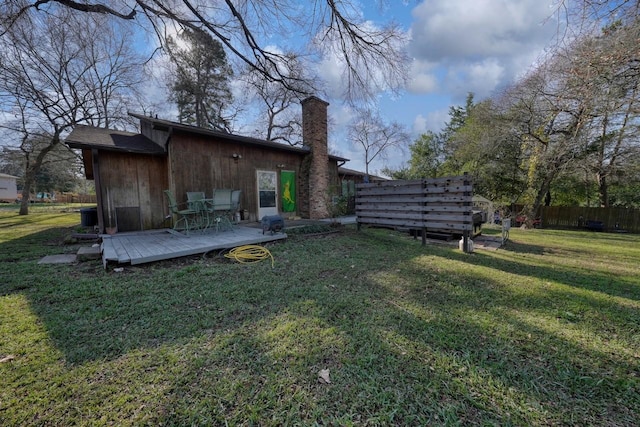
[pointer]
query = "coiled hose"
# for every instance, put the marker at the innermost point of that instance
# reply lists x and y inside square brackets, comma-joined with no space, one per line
[250,253]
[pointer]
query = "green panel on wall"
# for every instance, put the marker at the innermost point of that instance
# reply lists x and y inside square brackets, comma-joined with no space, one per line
[288,183]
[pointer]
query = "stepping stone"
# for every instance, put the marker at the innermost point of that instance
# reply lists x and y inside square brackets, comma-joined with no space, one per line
[58,259]
[86,253]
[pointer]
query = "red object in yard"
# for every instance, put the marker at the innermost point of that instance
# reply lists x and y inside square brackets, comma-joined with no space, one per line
[520,219]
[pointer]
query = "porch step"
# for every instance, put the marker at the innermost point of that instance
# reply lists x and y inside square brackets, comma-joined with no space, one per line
[87,253]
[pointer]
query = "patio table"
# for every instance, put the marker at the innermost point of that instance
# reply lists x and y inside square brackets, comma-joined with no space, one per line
[214,215]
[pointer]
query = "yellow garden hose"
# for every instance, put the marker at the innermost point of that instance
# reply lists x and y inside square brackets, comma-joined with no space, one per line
[250,253]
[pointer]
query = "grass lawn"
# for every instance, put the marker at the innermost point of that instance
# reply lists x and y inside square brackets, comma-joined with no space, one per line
[543,332]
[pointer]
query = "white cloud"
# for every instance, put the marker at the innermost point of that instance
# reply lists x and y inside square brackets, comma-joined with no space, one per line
[334,66]
[476,45]
[340,115]
[434,121]
[331,70]
[422,78]
[480,77]
[423,83]
[445,29]
[419,125]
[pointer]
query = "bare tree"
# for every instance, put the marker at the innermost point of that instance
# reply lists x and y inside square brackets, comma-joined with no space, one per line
[594,80]
[549,117]
[52,77]
[280,116]
[116,71]
[584,14]
[610,64]
[578,108]
[372,57]
[61,170]
[375,137]
[577,112]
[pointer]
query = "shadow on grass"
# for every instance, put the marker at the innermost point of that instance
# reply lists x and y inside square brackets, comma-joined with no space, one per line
[416,348]
[408,344]
[31,247]
[598,281]
[493,360]
[523,248]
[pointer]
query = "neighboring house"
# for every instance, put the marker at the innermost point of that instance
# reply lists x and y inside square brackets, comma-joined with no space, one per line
[348,180]
[8,188]
[132,170]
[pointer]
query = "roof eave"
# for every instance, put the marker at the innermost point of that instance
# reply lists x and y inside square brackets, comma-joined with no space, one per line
[161,124]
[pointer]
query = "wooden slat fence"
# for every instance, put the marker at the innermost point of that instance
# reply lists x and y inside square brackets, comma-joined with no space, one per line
[439,205]
[613,219]
[76,198]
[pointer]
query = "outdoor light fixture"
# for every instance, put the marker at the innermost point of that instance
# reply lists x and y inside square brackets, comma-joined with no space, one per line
[236,156]
[280,166]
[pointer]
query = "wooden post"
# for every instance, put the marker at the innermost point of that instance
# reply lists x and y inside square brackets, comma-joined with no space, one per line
[424,228]
[465,233]
[98,185]
[465,241]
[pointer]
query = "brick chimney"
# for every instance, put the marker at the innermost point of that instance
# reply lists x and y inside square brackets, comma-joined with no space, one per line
[315,170]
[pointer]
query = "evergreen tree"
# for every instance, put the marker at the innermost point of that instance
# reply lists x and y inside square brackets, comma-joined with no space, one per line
[200,84]
[426,156]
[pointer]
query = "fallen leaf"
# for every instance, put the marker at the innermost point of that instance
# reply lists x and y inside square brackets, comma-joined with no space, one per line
[118,270]
[7,358]
[323,376]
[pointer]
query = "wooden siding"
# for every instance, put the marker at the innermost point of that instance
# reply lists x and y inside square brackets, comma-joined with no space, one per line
[434,205]
[87,160]
[200,164]
[159,136]
[134,183]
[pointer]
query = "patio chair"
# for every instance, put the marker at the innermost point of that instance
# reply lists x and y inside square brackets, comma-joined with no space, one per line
[221,207]
[193,198]
[235,201]
[196,201]
[186,217]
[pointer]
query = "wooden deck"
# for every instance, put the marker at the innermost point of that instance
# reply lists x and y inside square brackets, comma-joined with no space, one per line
[156,245]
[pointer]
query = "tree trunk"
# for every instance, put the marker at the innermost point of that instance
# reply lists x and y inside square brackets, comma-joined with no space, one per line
[32,169]
[603,190]
[29,179]
[26,191]
[531,211]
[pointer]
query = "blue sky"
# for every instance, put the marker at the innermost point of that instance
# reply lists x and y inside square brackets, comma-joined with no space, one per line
[456,47]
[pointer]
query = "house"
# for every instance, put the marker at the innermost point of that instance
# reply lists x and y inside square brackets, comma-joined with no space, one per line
[348,180]
[132,170]
[8,188]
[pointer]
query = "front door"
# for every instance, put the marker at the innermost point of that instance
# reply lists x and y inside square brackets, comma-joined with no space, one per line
[267,193]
